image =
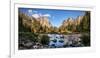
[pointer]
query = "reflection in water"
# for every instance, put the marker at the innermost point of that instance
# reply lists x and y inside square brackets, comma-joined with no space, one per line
[51,41]
[64,40]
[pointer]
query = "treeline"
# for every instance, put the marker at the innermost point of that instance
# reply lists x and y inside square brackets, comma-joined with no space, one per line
[85,23]
[30,24]
[77,27]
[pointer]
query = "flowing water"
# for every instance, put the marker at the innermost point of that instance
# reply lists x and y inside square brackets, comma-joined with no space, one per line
[61,40]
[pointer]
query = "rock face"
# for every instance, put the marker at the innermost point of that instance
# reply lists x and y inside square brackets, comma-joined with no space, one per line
[67,22]
[44,21]
[70,24]
[33,22]
[78,20]
[71,21]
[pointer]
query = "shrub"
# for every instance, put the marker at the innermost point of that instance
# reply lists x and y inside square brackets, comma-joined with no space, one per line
[85,39]
[44,40]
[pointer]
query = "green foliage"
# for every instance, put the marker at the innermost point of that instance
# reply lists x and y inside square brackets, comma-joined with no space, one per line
[78,28]
[29,36]
[44,40]
[22,28]
[85,23]
[70,27]
[86,39]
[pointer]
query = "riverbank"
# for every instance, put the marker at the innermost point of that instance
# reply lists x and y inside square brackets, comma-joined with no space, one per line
[41,41]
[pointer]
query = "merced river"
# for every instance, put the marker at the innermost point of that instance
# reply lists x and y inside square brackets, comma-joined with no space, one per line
[64,40]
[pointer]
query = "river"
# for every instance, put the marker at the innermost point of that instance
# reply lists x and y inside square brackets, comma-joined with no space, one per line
[64,40]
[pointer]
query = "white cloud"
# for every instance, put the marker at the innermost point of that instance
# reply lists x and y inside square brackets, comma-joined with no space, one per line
[36,15]
[30,11]
[47,15]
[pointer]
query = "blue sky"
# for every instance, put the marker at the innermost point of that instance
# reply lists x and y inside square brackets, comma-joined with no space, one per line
[56,17]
